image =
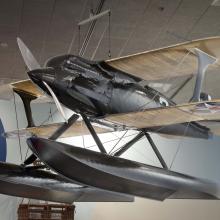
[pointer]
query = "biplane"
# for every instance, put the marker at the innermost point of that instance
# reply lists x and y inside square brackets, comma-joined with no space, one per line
[109,96]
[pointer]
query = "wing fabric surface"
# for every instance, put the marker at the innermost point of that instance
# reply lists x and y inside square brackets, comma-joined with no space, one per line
[197,111]
[40,184]
[77,129]
[168,62]
[118,174]
[28,87]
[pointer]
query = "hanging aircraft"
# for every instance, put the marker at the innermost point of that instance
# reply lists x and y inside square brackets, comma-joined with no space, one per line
[113,95]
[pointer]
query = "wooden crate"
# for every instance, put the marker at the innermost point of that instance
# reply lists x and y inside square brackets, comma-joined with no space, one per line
[46,212]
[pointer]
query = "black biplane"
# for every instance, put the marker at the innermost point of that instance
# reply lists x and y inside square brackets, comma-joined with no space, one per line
[114,95]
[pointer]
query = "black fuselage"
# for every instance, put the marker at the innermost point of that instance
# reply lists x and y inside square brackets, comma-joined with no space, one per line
[97,89]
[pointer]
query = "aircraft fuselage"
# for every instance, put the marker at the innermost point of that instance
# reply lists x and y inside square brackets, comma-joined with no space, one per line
[97,89]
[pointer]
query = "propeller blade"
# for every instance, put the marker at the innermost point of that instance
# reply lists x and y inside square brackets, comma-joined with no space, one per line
[28,57]
[59,107]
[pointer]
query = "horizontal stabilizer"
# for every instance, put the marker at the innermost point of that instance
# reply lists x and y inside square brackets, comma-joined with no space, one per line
[118,174]
[44,185]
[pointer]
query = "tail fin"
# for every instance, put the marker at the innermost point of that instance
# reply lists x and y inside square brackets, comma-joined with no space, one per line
[204,60]
[3,144]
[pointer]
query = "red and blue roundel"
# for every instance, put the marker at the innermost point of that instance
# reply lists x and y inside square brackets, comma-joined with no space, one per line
[3,146]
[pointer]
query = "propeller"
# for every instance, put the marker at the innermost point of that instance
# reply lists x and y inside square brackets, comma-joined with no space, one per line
[28,57]
[58,105]
[32,64]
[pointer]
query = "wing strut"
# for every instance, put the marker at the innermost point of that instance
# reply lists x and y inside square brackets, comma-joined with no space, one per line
[54,136]
[204,60]
[156,151]
[93,133]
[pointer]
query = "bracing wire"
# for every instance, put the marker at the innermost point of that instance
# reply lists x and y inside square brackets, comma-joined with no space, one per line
[108,27]
[99,42]
[17,124]
[134,149]
[118,142]
[42,52]
[50,113]
[48,117]
[112,140]
[15,107]
[26,154]
[179,145]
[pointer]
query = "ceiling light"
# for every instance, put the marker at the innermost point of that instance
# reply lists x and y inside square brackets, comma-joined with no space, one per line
[93,17]
[3,44]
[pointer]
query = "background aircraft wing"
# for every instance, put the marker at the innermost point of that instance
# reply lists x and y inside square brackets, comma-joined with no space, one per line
[32,183]
[28,87]
[173,61]
[25,86]
[197,111]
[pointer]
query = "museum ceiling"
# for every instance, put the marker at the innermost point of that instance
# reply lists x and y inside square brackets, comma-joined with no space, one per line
[49,26]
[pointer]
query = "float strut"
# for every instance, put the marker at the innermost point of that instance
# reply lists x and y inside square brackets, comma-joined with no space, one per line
[156,151]
[93,133]
[129,144]
[64,127]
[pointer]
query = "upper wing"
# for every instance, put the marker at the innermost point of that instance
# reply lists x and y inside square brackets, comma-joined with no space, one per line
[197,111]
[172,61]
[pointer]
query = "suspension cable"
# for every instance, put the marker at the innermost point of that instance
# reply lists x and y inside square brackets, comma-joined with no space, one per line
[47,30]
[75,33]
[109,34]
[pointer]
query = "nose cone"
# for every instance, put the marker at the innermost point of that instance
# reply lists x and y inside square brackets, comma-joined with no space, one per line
[35,76]
[38,76]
